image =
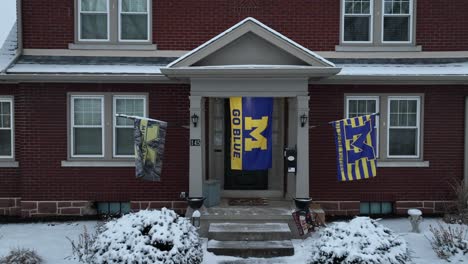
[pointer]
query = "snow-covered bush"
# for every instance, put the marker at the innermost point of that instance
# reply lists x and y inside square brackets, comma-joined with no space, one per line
[21,256]
[449,242]
[148,237]
[360,241]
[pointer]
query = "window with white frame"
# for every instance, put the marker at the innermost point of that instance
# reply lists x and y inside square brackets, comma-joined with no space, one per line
[96,132]
[114,21]
[357,20]
[87,126]
[93,20]
[403,129]
[397,20]
[6,128]
[398,125]
[134,20]
[363,105]
[124,127]
[377,22]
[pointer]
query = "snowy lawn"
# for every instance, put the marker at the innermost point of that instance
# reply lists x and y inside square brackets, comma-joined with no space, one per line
[49,240]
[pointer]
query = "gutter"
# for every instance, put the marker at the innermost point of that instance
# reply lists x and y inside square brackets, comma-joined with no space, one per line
[465,163]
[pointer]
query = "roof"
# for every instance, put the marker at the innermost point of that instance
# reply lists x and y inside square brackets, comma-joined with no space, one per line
[251,25]
[9,49]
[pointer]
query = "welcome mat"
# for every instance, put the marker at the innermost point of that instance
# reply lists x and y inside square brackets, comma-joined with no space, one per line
[248,202]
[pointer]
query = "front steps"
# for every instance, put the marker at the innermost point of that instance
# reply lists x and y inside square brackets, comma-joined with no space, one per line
[261,240]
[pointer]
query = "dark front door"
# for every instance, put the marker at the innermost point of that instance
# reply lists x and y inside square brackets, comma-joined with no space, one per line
[236,179]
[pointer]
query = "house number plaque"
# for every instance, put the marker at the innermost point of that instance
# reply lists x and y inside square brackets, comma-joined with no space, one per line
[195,142]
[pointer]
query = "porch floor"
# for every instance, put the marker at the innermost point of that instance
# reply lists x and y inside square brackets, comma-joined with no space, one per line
[275,210]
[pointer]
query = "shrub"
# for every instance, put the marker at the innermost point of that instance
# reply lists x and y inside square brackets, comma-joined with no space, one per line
[448,242]
[82,249]
[21,256]
[360,241]
[145,237]
[459,214]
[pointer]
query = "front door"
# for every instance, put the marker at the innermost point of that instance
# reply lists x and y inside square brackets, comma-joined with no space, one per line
[236,179]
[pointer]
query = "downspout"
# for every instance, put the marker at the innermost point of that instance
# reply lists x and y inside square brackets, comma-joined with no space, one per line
[465,164]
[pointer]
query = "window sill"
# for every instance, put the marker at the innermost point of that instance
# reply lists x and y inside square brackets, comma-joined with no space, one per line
[89,163]
[402,164]
[83,46]
[389,47]
[9,164]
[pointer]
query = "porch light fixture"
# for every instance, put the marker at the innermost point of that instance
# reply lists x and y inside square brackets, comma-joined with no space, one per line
[194,120]
[303,120]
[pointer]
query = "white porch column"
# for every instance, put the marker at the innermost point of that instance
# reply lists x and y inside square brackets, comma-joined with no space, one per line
[196,151]
[302,176]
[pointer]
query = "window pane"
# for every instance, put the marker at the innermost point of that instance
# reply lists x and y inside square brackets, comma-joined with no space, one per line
[403,120]
[94,5]
[394,120]
[5,116]
[396,28]
[88,141]
[134,27]
[412,120]
[5,108]
[375,208]
[356,29]
[352,107]
[5,142]
[87,112]
[129,107]
[125,141]
[93,26]
[134,6]
[394,106]
[402,142]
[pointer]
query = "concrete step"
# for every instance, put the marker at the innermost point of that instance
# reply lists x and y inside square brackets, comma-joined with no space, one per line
[249,231]
[255,249]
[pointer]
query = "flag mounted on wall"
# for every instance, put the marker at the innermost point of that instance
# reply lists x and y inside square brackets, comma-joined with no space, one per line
[251,133]
[150,138]
[356,148]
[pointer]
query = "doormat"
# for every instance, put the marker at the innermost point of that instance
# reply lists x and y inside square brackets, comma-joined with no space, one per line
[248,202]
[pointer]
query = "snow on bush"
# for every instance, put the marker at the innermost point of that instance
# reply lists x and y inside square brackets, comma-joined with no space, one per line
[360,241]
[450,243]
[21,256]
[148,237]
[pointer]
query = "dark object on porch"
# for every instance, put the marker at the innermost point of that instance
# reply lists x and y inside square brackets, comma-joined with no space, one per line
[302,203]
[248,202]
[195,202]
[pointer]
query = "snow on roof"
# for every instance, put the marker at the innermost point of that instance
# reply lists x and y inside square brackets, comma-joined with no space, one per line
[447,69]
[84,69]
[255,21]
[9,48]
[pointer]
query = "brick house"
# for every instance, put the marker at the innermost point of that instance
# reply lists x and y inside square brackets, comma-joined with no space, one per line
[69,66]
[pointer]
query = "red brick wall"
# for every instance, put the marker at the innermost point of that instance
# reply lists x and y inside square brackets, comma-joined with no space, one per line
[42,130]
[9,177]
[443,147]
[185,24]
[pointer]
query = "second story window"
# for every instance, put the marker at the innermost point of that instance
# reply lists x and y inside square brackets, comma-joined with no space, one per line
[377,24]
[114,21]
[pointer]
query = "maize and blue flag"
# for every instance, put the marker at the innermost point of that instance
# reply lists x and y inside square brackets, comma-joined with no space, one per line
[356,148]
[251,133]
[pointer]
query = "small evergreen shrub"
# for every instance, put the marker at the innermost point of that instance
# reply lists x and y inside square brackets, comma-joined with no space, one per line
[360,241]
[144,237]
[21,256]
[450,243]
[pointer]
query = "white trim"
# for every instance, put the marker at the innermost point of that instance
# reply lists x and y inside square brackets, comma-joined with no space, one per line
[377,110]
[8,164]
[71,163]
[119,22]
[93,12]
[371,23]
[402,164]
[72,125]
[9,99]
[410,23]
[114,120]
[418,126]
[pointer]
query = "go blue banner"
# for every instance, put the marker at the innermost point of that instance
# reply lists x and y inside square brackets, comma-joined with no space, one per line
[251,133]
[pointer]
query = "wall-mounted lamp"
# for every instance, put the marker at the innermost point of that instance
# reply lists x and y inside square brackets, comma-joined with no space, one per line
[304,120]
[194,120]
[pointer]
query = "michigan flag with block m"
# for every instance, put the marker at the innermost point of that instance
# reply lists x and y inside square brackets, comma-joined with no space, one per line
[356,148]
[251,133]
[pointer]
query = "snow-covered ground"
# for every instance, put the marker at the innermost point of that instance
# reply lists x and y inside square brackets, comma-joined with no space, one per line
[49,240]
